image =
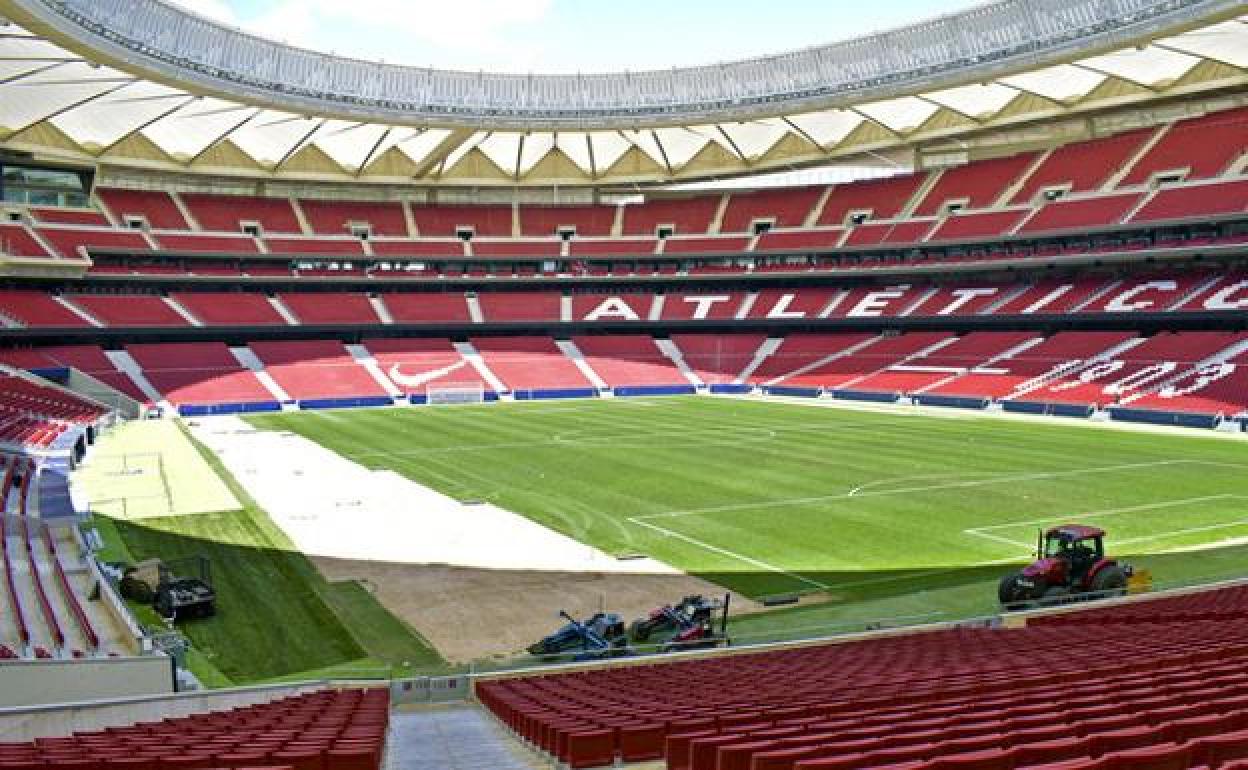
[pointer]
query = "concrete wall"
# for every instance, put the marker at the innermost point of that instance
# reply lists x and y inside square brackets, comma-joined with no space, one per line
[36,682]
[28,723]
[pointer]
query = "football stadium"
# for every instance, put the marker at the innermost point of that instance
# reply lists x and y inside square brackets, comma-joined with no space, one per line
[880,403]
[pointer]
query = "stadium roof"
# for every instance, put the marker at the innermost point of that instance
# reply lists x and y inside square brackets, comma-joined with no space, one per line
[143,84]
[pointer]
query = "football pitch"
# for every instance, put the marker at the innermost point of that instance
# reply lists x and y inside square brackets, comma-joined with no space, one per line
[772,498]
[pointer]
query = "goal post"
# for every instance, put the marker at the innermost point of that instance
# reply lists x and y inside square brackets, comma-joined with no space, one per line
[455,393]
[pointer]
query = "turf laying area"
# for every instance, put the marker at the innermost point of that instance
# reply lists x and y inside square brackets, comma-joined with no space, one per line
[277,616]
[772,498]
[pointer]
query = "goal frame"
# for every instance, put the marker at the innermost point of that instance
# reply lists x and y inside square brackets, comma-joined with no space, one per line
[453,393]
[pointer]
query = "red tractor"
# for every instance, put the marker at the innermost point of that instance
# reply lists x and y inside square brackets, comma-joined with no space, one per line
[1070,563]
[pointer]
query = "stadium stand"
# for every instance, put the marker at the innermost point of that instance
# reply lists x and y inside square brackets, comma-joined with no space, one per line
[330,308]
[629,360]
[229,308]
[197,373]
[942,699]
[209,243]
[530,363]
[1097,211]
[327,217]
[426,307]
[551,220]
[154,208]
[1202,200]
[782,208]
[978,184]
[445,221]
[686,216]
[74,243]
[1201,147]
[519,306]
[846,372]
[315,369]
[227,213]
[16,240]
[37,308]
[1083,166]
[881,198]
[415,364]
[718,358]
[328,729]
[924,372]
[128,309]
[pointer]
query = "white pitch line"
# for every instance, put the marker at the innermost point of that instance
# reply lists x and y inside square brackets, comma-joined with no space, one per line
[730,554]
[906,490]
[1105,512]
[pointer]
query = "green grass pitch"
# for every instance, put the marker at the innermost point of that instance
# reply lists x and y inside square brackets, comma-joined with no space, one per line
[909,512]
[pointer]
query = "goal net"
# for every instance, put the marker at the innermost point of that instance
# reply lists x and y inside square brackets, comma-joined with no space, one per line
[131,485]
[456,393]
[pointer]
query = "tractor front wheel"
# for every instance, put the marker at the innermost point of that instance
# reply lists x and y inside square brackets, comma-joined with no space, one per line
[1110,581]
[1009,592]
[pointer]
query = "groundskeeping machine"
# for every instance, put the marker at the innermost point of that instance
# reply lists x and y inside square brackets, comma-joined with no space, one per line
[1070,564]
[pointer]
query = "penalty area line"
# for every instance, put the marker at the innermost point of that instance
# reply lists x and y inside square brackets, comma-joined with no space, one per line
[730,554]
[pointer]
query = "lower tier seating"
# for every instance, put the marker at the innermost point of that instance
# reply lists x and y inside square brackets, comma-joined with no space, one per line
[314,369]
[530,363]
[327,730]
[1173,695]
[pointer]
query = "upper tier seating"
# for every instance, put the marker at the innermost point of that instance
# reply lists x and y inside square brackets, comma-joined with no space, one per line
[71,243]
[797,240]
[548,220]
[226,213]
[1174,695]
[1083,166]
[784,208]
[37,308]
[1228,292]
[876,233]
[977,225]
[718,358]
[1145,294]
[155,207]
[416,363]
[335,217]
[1205,146]
[623,360]
[198,373]
[960,300]
[704,245]
[229,309]
[421,248]
[345,247]
[208,243]
[505,306]
[1195,201]
[688,216]
[70,217]
[882,198]
[529,363]
[515,248]
[1051,297]
[792,303]
[846,372]
[330,308]
[977,184]
[631,247]
[16,241]
[326,729]
[129,309]
[425,307]
[312,369]
[1083,213]
[443,221]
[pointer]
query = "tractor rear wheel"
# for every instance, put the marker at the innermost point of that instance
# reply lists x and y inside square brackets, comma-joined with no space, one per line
[639,631]
[1110,581]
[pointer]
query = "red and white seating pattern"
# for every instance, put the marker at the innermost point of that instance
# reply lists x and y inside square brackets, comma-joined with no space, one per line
[1180,292]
